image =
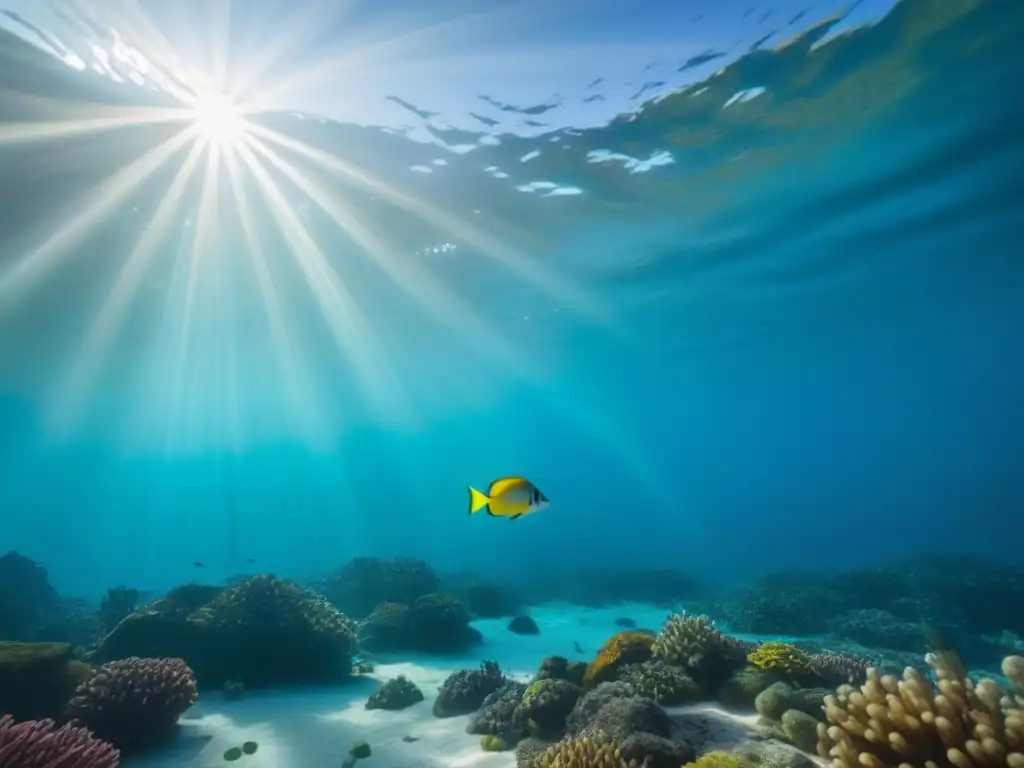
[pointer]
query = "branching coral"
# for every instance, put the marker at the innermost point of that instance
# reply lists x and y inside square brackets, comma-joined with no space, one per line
[621,648]
[839,668]
[134,703]
[40,744]
[915,723]
[584,752]
[783,658]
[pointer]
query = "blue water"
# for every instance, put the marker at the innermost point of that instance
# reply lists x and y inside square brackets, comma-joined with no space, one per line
[728,322]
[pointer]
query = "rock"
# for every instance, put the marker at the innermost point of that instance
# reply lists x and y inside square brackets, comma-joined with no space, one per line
[523,625]
[38,679]
[399,693]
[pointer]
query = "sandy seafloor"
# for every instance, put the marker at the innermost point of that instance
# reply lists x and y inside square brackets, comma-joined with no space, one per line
[315,727]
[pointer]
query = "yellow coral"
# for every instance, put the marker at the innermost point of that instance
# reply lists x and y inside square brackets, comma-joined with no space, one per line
[621,648]
[717,759]
[953,723]
[492,743]
[584,752]
[780,657]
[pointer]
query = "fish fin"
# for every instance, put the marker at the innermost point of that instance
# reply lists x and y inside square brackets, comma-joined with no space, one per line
[517,516]
[477,501]
[504,484]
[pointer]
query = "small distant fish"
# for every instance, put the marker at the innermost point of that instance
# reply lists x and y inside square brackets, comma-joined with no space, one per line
[197,564]
[250,560]
[510,497]
[577,647]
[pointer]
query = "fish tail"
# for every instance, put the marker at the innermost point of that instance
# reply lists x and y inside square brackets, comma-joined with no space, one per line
[477,500]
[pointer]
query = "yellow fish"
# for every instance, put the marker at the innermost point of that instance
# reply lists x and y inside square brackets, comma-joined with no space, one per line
[510,497]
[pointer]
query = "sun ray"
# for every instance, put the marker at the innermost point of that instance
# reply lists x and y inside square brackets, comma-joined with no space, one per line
[541,277]
[206,220]
[363,57]
[104,328]
[297,30]
[299,400]
[49,130]
[17,279]
[351,332]
[430,293]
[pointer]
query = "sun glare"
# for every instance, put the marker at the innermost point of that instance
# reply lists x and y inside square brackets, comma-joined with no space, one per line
[217,119]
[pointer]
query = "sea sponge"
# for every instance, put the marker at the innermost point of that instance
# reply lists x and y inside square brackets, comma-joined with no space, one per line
[584,752]
[784,658]
[629,647]
[133,703]
[40,744]
[952,723]
[696,644]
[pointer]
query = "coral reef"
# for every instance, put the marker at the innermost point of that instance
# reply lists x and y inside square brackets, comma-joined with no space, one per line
[25,596]
[782,658]
[545,706]
[560,668]
[655,679]
[386,628]
[399,693]
[37,679]
[440,623]
[464,691]
[952,723]
[494,743]
[592,702]
[696,644]
[500,713]
[134,703]
[41,744]
[622,648]
[835,669]
[117,603]
[365,582]
[486,600]
[878,629]
[718,759]
[583,752]
[261,631]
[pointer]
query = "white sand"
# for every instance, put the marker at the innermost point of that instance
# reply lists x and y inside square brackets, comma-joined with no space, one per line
[314,728]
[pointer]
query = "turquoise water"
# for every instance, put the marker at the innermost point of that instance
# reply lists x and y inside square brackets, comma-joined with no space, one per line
[724,329]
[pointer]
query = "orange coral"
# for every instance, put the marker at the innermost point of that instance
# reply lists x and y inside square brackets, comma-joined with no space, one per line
[622,648]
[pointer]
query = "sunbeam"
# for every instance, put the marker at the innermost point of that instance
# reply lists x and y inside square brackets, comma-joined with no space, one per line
[542,278]
[102,332]
[301,402]
[353,335]
[34,266]
[429,292]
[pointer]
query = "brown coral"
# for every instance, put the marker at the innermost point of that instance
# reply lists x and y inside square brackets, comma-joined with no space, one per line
[914,723]
[584,752]
[620,649]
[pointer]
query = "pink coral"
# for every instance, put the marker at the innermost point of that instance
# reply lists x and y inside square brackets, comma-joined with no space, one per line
[40,744]
[134,703]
